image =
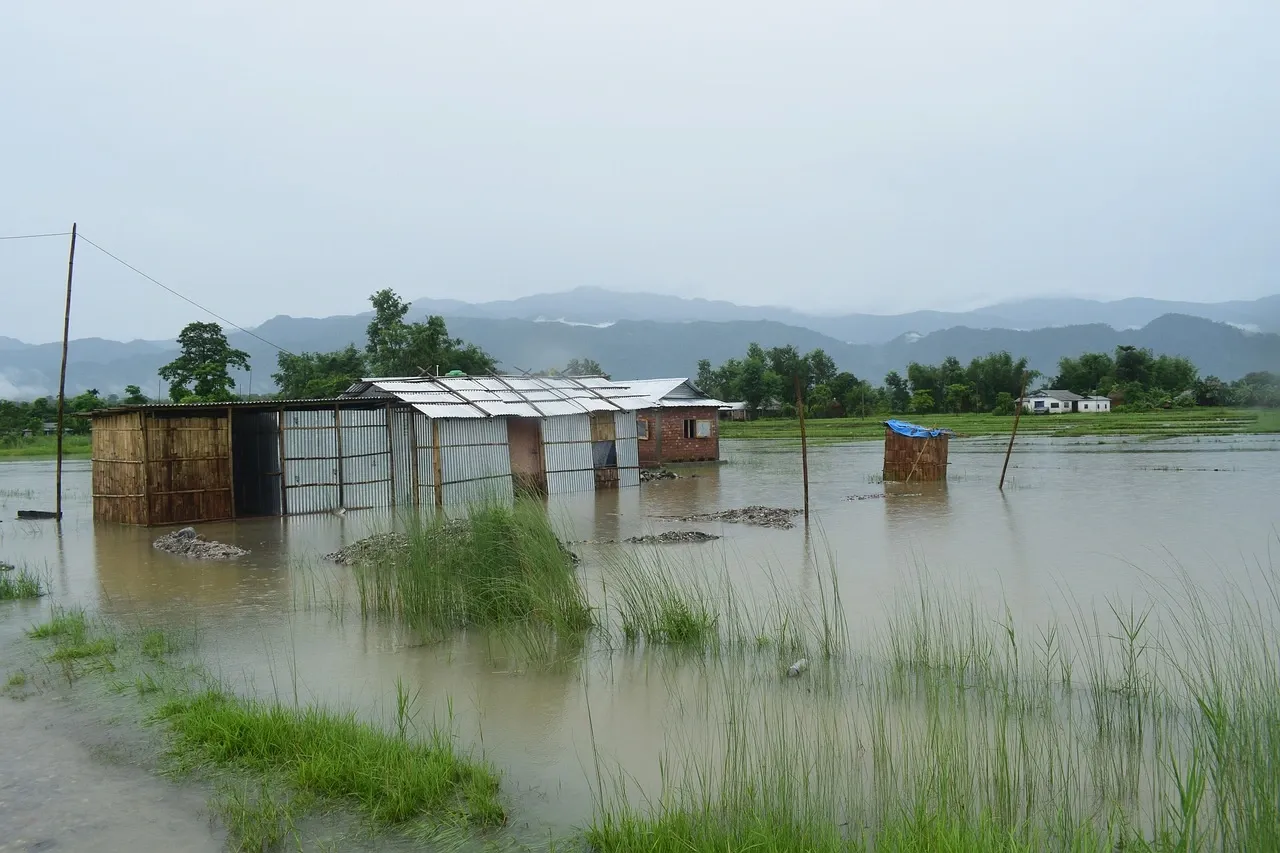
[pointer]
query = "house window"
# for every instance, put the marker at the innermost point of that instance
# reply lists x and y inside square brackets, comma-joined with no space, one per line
[690,428]
[642,429]
[1039,404]
[704,429]
[1053,405]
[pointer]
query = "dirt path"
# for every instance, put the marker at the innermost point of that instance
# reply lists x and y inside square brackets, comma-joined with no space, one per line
[67,786]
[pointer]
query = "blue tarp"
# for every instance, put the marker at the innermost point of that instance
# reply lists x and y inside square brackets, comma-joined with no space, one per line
[914,430]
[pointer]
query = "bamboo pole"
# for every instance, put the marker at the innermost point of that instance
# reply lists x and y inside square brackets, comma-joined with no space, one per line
[804,447]
[1017,415]
[62,376]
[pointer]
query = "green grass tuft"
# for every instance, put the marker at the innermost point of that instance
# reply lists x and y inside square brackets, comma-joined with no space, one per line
[98,648]
[256,821]
[334,756]
[501,565]
[16,680]
[69,624]
[21,583]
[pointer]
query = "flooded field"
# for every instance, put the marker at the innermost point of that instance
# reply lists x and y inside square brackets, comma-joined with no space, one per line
[1082,527]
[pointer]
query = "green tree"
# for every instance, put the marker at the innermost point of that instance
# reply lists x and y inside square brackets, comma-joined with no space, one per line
[133,396]
[202,373]
[822,368]
[898,392]
[1004,404]
[397,348]
[707,380]
[318,374]
[584,367]
[1173,374]
[1133,366]
[995,374]
[959,398]
[922,402]
[1090,373]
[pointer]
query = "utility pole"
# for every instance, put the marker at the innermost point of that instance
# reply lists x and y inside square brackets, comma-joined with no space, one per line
[62,378]
[804,448]
[1017,413]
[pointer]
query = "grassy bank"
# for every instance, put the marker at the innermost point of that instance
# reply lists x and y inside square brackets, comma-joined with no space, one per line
[46,447]
[285,761]
[20,583]
[1161,424]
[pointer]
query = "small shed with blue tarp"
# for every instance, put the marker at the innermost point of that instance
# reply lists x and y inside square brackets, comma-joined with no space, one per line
[914,452]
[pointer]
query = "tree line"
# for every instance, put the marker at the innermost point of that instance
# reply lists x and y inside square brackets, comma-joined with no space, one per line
[1134,379]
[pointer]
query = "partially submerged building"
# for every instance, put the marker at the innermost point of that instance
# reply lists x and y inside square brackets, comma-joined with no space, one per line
[914,453]
[676,421]
[404,442]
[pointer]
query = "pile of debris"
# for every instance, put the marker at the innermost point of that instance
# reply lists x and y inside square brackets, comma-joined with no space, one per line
[650,474]
[6,567]
[761,516]
[187,543]
[371,548]
[864,497]
[673,536]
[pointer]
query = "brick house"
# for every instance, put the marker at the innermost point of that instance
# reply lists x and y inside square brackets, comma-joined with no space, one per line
[675,422]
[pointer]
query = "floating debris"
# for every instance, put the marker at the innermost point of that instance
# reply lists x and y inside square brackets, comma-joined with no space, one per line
[798,667]
[761,516]
[187,543]
[673,536]
[372,547]
[650,474]
[864,497]
[6,567]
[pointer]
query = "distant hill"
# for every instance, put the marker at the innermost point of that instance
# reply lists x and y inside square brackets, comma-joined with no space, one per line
[594,305]
[646,348]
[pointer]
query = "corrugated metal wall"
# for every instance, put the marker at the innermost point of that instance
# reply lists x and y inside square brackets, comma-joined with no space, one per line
[366,458]
[422,427]
[475,462]
[628,449]
[403,449]
[566,444]
[310,461]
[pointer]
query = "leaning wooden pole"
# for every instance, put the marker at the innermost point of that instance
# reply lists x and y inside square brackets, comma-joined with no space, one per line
[804,447]
[1017,414]
[62,377]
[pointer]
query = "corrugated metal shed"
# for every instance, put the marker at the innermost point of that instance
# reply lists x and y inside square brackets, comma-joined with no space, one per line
[502,396]
[661,393]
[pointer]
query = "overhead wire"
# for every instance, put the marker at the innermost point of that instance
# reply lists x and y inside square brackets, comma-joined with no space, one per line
[34,236]
[163,286]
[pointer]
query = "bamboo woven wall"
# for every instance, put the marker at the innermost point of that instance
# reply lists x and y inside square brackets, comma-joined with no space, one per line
[916,459]
[189,468]
[118,450]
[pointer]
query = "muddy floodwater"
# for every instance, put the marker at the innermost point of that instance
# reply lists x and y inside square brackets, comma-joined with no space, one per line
[1080,520]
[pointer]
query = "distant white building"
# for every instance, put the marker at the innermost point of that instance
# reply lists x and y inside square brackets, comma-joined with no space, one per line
[1056,402]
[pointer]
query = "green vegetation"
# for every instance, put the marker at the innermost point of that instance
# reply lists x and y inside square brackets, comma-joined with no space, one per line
[500,565]
[16,680]
[256,820]
[394,348]
[45,447]
[333,756]
[71,625]
[1157,424]
[966,734]
[202,371]
[652,605]
[20,583]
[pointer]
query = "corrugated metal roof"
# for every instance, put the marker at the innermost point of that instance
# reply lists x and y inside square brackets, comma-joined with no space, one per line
[234,404]
[665,393]
[497,396]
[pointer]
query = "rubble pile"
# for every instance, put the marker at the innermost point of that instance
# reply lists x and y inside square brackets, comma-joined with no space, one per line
[370,548]
[187,543]
[760,516]
[650,474]
[673,536]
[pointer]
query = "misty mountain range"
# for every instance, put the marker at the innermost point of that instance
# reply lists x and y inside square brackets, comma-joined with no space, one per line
[646,335]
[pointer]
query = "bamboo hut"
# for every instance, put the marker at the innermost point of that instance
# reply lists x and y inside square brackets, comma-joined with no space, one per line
[913,453]
[419,442]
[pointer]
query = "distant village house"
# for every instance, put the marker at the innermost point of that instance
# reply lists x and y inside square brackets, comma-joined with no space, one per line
[1057,402]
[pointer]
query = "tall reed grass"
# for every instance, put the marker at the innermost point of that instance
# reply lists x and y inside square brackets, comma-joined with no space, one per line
[499,565]
[1149,729]
[20,583]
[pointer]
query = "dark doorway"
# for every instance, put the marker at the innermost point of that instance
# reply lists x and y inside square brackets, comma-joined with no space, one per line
[255,462]
[524,442]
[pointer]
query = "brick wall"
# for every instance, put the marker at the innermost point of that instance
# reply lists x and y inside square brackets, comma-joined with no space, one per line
[666,442]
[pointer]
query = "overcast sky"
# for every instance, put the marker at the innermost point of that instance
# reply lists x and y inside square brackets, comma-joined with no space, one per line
[284,157]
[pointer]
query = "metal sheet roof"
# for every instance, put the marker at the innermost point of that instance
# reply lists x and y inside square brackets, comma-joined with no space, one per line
[498,396]
[664,393]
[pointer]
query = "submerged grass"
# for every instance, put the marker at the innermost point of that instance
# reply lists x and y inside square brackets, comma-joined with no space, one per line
[334,756]
[966,733]
[20,583]
[500,565]
[257,818]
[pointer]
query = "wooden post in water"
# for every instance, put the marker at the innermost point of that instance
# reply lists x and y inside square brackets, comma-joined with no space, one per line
[62,377]
[1017,413]
[804,447]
